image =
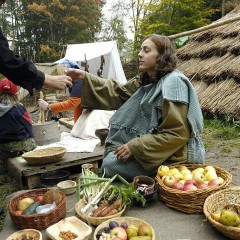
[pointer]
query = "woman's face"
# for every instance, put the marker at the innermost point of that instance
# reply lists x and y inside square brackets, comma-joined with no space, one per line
[147,57]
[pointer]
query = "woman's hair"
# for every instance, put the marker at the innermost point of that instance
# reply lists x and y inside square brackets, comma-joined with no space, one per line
[167,60]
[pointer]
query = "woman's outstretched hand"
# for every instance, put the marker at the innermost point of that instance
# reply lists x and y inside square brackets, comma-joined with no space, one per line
[123,153]
[75,74]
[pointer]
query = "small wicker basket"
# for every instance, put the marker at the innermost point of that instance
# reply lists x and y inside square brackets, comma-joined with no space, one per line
[216,202]
[36,221]
[45,155]
[120,220]
[94,220]
[190,201]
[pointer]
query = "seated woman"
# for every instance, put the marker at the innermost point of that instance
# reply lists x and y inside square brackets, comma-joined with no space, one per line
[74,101]
[158,118]
[16,126]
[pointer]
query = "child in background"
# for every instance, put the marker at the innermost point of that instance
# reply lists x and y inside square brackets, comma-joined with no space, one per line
[16,133]
[74,101]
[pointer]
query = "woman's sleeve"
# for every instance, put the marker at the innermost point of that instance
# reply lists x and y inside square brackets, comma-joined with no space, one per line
[106,94]
[151,150]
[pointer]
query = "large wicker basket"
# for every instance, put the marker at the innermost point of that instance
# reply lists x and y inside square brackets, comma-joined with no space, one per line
[36,221]
[216,202]
[45,155]
[94,220]
[191,201]
[120,220]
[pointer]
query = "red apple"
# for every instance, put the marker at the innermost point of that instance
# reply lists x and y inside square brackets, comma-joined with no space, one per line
[178,185]
[189,187]
[169,180]
[214,182]
[202,186]
[192,181]
[19,212]
[116,238]
[198,177]
[119,232]
[38,198]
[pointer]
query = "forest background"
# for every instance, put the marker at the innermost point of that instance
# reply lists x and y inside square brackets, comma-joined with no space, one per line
[41,29]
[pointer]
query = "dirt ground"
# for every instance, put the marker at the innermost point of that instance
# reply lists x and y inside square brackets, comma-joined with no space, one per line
[229,161]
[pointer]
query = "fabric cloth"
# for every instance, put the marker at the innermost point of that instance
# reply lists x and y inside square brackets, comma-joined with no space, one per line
[7,86]
[19,70]
[89,122]
[160,132]
[15,128]
[74,102]
[74,144]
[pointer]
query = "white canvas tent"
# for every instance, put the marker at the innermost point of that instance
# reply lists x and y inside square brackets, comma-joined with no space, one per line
[92,54]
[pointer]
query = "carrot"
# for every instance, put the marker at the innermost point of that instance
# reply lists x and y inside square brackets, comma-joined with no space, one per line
[112,212]
[117,203]
[103,205]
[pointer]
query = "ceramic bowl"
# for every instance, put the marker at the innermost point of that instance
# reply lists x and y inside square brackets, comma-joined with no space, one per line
[67,186]
[30,232]
[70,225]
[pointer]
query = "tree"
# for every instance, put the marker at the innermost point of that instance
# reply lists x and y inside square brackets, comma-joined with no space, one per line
[44,27]
[114,28]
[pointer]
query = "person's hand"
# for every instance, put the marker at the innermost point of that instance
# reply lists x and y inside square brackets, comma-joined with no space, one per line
[75,74]
[59,82]
[42,104]
[123,153]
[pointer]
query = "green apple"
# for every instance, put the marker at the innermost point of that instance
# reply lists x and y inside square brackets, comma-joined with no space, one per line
[209,169]
[229,218]
[187,177]
[163,170]
[185,172]
[173,171]
[200,170]
[210,176]
[182,167]
[198,177]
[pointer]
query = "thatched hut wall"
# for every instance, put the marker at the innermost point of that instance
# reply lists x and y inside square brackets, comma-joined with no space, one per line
[211,60]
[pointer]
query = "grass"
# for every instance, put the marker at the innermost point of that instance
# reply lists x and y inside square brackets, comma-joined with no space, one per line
[216,134]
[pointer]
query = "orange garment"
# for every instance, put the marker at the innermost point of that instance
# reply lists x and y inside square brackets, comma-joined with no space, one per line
[71,103]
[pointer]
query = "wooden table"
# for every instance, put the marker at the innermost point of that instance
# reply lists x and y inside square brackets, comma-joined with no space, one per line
[28,176]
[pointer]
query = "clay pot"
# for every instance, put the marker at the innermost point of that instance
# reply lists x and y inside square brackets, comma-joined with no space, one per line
[102,135]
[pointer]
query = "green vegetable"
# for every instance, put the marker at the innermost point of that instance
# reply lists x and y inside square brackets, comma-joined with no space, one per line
[31,209]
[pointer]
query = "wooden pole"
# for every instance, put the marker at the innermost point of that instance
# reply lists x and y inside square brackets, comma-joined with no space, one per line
[42,114]
[201,29]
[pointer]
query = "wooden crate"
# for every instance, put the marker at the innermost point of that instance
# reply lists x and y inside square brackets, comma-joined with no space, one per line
[28,177]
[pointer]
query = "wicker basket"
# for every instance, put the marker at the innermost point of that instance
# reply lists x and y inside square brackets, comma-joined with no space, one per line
[190,201]
[45,155]
[36,221]
[120,220]
[94,220]
[216,202]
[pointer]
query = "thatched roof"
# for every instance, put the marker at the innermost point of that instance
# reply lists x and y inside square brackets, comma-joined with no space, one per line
[211,60]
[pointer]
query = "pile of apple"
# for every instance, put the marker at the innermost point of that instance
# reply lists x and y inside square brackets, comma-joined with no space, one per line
[184,179]
[125,231]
